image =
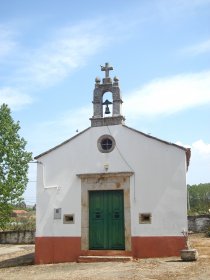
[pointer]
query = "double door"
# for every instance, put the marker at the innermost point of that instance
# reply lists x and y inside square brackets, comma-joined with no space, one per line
[106,220]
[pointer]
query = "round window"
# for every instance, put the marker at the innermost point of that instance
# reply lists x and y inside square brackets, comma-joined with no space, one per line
[106,143]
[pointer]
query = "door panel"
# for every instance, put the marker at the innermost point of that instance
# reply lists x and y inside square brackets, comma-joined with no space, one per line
[106,220]
[116,220]
[97,221]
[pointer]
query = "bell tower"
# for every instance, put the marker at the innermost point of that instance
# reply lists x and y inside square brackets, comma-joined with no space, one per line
[107,85]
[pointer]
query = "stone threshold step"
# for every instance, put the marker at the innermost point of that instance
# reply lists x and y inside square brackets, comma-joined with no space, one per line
[111,253]
[87,259]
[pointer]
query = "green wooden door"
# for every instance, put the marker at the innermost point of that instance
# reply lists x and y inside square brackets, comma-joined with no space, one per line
[106,220]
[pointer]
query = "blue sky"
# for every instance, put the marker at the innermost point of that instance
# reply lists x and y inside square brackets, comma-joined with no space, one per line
[51,52]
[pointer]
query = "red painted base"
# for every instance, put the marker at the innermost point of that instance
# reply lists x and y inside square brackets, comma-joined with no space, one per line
[57,249]
[68,249]
[157,246]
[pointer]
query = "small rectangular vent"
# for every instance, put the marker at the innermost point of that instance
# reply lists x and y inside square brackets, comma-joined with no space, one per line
[145,218]
[68,219]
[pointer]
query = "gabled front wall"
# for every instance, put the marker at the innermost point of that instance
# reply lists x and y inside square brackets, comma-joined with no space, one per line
[157,187]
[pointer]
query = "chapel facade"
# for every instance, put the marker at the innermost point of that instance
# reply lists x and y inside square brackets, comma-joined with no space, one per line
[110,190]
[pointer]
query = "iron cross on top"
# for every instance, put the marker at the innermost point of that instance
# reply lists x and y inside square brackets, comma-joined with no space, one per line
[106,68]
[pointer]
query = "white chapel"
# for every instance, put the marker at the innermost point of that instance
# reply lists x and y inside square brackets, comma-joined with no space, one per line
[110,189]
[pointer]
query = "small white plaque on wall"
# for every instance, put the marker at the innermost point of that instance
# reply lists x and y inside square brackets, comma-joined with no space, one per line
[57,213]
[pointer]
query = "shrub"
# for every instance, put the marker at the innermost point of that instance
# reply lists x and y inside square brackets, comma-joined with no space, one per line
[22,223]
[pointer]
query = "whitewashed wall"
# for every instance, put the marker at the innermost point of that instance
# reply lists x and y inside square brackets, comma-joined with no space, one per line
[158,187]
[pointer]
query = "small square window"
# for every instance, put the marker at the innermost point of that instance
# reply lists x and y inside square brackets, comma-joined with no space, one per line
[68,219]
[145,218]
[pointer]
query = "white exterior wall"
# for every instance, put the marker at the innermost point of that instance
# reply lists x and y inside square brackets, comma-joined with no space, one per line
[158,186]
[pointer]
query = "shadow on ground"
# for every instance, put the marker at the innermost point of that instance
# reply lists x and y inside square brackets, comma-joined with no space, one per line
[27,259]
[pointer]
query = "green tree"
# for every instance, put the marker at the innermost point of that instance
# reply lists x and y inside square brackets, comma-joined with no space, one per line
[199,198]
[13,164]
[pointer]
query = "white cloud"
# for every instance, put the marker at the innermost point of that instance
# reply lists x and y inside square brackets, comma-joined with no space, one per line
[199,169]
[199,147]
[7,42]
[169,95]
[202,148]
[66,49]
[69,49]
[169,10]
[203,47]
[14,98]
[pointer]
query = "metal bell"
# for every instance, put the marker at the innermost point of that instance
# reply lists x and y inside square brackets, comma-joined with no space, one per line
[107,111]
[107,102]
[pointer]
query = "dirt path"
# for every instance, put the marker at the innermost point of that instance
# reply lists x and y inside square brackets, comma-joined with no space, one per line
[145,269]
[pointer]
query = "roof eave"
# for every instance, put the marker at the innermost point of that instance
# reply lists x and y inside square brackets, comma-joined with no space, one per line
[63,143]
[187,150]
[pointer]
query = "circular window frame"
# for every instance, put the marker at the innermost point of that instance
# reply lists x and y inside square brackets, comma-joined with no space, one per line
[102,138]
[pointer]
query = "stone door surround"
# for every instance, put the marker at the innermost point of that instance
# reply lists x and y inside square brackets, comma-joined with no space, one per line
[104,181]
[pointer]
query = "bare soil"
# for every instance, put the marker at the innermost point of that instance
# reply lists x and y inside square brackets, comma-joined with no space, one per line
[15,263]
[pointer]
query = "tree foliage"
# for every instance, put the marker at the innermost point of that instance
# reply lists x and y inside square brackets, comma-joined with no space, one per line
[13,164]
[199,198]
